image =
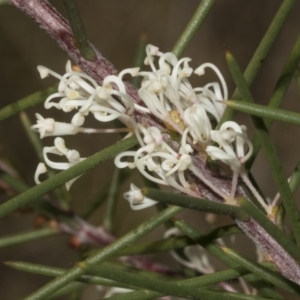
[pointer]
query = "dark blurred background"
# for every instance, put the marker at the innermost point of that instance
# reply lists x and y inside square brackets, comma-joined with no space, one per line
[115,27]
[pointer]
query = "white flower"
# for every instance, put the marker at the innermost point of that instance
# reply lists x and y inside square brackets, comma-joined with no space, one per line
[166,94]
[59,148]
[201,71]
[75,88]
[136,198]
[45,72]
[200,127]
[209,101]
[41,169]
[124,164]
[196,258]
[116,290]
[232,139]
[150,52]
[49,127]
[154,104]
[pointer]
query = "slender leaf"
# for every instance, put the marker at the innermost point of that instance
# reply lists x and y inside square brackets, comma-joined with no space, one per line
[262,51]
[103,254]
[195,203]
[176,288]
[179,242]
[280,90]
[55,272]
[31,100]
[270,152]
[227,260]
[192,27]
[73,287]
[265,288]
[295,178]
[263,272]
[111,202]
[297,78]
[139,59]
[59,179]
[82,43]
[265,111]
[25,237]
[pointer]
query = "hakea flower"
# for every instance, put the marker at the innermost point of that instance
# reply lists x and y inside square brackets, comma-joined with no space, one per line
[160,88]
[80,92]
[216,88]
[197,119]
[49,127]
[232,139]
[60,149]
[41,169]
[167,95]
[136,198]
[234,150]
[122,111]
[73,89]
[158,157]
[195,259]
[167,90]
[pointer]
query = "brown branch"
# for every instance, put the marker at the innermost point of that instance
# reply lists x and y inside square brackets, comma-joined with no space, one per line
[58,28]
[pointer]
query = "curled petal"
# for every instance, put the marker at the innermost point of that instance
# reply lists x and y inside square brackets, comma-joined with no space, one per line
[41,169]
[136,198]
[121,164]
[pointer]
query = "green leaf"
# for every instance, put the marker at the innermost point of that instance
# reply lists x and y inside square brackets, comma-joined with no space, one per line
[82,43]
[263,272]
[265,111]
[195,203]
[269,149]
[105,253]
[181,288]
[55,272]
[216,251]
[139,59]
[179,242]
[295,179]
[280,90]
[66,290]
[193,26]
[25,237]
[262,51]
[59,179]
[112,202]
[27,102]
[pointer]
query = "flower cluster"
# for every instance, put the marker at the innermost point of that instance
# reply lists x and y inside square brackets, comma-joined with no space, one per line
[189,114]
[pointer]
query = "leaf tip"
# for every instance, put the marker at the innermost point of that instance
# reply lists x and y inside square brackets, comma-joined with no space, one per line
[228,55]
[81,265]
